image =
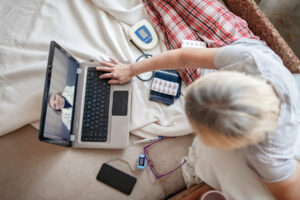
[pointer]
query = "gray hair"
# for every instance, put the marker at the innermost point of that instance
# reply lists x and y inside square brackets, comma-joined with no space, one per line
[233,104]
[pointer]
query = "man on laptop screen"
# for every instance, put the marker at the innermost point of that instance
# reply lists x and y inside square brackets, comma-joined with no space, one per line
[81,110]
[61,99]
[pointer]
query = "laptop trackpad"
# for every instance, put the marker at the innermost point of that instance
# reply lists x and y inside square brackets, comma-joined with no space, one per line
[120,103]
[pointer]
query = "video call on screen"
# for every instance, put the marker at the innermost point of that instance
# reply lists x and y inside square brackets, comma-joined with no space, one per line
[58,120]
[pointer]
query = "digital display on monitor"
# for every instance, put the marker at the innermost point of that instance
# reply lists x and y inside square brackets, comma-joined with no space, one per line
[142,161]
[60,101]
[143,33]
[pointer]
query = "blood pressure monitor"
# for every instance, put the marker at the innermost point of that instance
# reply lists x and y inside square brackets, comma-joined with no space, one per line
[143,35]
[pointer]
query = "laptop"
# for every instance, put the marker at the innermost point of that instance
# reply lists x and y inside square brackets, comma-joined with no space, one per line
[81,110]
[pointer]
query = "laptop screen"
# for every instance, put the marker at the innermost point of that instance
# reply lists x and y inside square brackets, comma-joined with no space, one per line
[59,100]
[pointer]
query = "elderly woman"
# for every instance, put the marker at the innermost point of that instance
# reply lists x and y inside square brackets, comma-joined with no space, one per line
[249,104]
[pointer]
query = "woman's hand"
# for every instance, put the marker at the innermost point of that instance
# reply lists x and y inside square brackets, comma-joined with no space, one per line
[119,73]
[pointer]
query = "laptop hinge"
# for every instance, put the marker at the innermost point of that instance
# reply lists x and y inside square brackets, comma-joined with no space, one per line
[78,70]
[72,138]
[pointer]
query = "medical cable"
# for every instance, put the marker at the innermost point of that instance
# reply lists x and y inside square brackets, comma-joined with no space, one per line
[124,161]
[140,57]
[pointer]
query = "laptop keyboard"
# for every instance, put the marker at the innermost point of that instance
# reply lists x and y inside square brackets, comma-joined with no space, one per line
[96,107]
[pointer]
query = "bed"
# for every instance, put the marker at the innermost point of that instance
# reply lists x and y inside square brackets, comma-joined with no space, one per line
[34,170]
[89,30]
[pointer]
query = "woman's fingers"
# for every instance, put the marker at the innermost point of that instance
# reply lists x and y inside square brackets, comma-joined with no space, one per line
[106,64]
[117,72]
[112,78]
[113,81]
[113,61]
[104,69]
[106,75]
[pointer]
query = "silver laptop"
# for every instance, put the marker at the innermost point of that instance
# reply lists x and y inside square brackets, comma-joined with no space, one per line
[81,110]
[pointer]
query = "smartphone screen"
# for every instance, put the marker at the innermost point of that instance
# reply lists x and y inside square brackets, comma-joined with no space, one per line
[116,179]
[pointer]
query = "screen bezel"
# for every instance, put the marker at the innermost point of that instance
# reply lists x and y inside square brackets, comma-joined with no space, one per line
[54,45]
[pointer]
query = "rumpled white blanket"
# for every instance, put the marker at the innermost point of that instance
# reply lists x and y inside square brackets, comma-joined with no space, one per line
[95,29]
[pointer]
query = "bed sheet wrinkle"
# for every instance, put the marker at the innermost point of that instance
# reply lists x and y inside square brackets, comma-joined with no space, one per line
[116,40]
[87,22]
[128,11]
[12,25]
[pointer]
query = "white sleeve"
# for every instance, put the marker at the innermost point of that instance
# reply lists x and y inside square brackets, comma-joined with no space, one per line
[66,117]
[269,167]
[235,58]
[68,93]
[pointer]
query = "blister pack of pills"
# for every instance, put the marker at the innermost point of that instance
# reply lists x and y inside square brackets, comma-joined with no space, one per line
[164,86]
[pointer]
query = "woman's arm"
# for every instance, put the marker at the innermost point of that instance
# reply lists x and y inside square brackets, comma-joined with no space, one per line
[287,189]
[174,59]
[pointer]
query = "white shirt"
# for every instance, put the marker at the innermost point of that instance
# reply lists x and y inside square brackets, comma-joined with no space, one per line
[66,115]
[273,158]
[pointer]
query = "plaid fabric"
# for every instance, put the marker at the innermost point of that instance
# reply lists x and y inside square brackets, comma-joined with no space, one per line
[205,20]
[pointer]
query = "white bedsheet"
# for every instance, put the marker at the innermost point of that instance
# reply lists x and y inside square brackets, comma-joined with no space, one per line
[95,30]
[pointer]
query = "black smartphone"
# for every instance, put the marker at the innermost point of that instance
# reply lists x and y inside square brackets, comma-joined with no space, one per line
[116,178]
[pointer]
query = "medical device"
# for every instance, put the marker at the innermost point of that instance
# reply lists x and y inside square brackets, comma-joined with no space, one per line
[141,162]
[143,35]
[148,140]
